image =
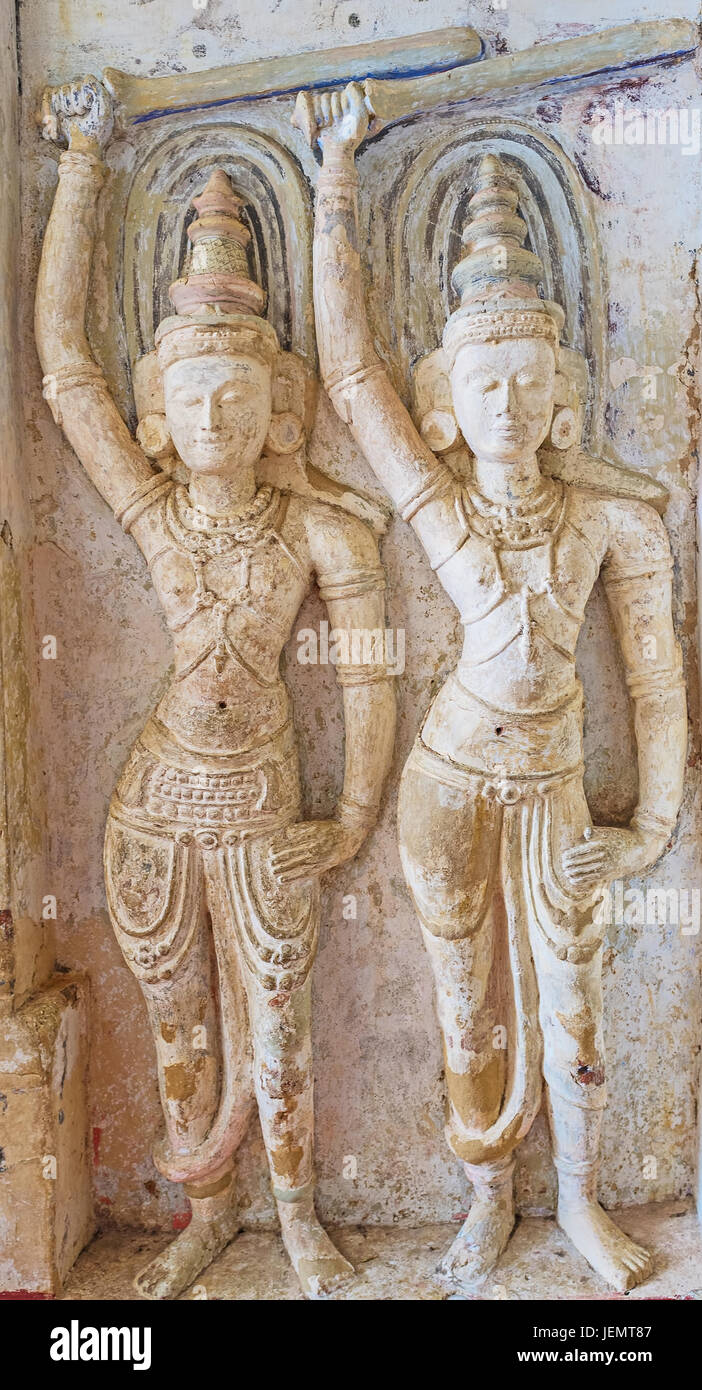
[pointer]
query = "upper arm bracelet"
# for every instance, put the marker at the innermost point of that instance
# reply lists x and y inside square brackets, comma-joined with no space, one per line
[434,484]
[142,497]
[619,574]
[338,386]
[350,583]
[663,679]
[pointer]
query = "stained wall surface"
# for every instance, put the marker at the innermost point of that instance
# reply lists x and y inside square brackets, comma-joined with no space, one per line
[380,1091]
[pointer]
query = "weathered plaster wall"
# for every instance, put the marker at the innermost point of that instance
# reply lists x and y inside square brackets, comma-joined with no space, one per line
[21,841]
[380,1096]
[45,1189]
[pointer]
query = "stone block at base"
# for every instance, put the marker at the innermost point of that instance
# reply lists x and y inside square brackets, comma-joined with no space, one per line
[46,1213]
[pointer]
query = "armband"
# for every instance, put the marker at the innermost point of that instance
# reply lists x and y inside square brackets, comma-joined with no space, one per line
[620,575]
[142,497]
[434,484]
[350,583]
[338,387]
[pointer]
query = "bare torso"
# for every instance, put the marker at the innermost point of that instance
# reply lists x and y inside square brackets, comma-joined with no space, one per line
[522,602]
[230,603]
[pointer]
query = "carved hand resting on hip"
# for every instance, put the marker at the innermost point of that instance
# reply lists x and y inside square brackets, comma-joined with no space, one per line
[611,852]
[337,120]
[78,113]
[312,847]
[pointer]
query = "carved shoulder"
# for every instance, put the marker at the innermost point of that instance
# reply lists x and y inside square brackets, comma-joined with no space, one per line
[338,541]
[149,527]
[625,536]
[637,541]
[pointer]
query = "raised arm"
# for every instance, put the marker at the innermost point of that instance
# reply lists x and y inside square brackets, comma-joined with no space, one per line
[73,383]
[421,486]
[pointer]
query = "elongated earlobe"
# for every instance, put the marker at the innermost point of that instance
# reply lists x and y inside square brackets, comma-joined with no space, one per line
[567,423]
[286,433]
[154,437]
[433,405]
[565,428]
[439,430]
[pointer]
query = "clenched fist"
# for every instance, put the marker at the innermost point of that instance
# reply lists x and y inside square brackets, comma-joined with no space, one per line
[335,119]
[78,113]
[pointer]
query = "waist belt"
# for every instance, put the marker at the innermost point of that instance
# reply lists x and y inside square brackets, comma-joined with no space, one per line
[507,790]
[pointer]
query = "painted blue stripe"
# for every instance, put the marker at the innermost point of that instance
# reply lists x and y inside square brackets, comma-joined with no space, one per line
[326,83]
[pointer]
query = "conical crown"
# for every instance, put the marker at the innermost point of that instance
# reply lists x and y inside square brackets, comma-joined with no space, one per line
[496,265]
[497,279]
[217,275]
[218,305]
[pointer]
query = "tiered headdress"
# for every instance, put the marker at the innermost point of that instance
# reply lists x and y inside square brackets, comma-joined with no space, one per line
[497,279]
[218,305]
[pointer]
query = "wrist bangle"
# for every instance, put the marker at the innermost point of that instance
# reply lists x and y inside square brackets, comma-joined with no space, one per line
[651,824]
[355,815]
[81,162]
[341,175]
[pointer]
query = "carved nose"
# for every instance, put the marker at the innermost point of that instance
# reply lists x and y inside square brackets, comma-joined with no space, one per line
[504,398]
[210,416]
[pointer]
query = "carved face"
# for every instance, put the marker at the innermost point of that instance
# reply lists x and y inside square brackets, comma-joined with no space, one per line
[218,410]
[503,396]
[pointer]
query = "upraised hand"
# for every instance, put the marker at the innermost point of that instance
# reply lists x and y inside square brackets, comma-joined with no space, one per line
[78,113]
[337,120]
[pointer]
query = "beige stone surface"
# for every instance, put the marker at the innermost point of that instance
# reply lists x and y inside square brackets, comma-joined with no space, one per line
[380,1089]
[46,1200]
[46,1209]
[212,867]
[400,1264]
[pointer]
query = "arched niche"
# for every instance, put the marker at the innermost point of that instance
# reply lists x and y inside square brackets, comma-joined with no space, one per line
[146,235]
[414,236]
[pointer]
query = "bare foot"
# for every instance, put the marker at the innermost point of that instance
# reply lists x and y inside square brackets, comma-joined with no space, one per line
[318,1264]
[481,1239]
[619,1261]
[192,1251]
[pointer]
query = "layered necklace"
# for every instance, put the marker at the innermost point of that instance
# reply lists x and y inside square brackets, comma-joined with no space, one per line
[206,537]
[518,525]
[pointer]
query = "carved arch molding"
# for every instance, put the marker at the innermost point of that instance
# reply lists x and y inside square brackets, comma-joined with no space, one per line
[416,179]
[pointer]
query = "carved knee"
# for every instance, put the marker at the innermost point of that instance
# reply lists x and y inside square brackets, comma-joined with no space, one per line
[448,906]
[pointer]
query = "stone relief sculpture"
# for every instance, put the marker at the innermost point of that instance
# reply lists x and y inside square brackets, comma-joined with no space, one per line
[503,862]
[212,877]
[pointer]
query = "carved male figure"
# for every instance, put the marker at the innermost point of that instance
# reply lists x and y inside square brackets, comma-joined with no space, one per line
[496,838]
[212,877]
